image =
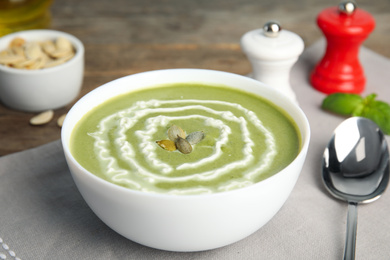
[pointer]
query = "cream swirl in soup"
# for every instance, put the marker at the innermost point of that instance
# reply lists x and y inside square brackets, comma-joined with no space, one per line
[247,139]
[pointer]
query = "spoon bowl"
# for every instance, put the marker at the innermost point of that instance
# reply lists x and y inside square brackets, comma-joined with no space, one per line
[355,168]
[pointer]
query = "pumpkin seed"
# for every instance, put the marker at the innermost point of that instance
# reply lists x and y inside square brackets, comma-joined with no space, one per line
[17,42]
[174,131]
[195,137]
[18,50]
[24,64]
[183,145]
[167,145]
[48,47]
[60,120]
[10,59]
[33,51]
[6,52]
[61,53]
[63,44]
[42,118]
[55,62]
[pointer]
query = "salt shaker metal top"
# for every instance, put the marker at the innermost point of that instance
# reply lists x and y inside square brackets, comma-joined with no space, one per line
[272,53]
[345,28]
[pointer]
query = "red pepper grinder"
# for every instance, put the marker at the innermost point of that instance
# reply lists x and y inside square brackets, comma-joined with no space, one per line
[345,28]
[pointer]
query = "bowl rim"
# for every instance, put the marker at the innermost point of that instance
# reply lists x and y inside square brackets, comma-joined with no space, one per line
[45,34]
[305,139]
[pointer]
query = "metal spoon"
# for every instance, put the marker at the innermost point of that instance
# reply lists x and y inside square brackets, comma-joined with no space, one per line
[355,168]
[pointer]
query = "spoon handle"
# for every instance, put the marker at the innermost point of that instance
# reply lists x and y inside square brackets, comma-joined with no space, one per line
[350,241]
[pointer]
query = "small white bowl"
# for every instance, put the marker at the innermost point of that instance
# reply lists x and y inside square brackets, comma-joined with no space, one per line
[185,222]
[49,88]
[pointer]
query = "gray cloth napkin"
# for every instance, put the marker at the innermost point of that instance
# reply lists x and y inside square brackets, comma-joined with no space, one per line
[43,216]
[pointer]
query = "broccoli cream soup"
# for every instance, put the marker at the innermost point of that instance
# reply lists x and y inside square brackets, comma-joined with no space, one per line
[185,139]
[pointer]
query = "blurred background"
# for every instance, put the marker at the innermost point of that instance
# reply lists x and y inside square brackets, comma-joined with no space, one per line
[145,28]
[202,21]
[163,31]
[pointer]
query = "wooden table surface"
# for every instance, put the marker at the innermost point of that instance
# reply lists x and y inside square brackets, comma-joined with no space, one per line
[123,37]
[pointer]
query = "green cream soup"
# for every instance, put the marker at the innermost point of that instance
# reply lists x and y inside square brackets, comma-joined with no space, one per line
[246,139]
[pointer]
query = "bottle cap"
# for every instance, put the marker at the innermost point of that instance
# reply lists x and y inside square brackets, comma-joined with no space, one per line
[272,43]
[347,7]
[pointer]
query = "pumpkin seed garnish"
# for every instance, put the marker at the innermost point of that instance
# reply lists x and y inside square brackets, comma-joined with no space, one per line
[174,131]
[168,145]
[183,145]
[195,137]
[179,141]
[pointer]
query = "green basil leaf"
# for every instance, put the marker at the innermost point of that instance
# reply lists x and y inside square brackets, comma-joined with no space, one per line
[342,103]
[358,110]
[366,102]
[379,112]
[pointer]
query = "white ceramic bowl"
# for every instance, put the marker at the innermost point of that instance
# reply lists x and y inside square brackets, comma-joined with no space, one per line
[185,222]
[49,88]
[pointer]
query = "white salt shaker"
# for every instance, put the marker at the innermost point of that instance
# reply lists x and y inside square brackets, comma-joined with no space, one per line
[272,53]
